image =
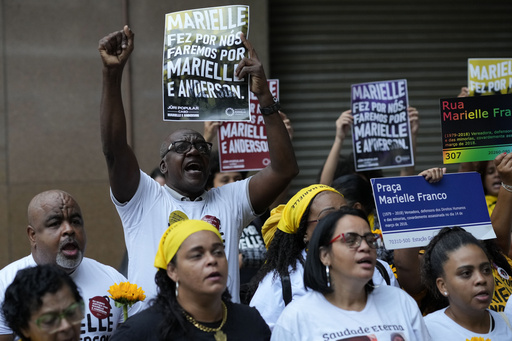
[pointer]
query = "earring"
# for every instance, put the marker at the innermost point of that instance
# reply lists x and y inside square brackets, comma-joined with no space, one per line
[328,276]
[445,293]
[176,291]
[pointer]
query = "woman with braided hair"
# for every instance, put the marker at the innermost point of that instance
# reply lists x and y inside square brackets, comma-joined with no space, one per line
[457,270]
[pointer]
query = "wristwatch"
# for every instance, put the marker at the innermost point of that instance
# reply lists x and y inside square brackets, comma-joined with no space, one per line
[271,109]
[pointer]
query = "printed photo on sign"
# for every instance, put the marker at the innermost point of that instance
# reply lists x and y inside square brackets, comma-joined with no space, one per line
[476,128]
[381,132]
[243,145]
[489,76]
[202,48]
[411,210]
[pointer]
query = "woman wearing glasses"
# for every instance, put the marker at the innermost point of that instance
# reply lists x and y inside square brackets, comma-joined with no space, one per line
[43,303]
[287,233]
[344,303]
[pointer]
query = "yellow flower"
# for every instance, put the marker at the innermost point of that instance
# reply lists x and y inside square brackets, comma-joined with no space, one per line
[477,338]
[126,293]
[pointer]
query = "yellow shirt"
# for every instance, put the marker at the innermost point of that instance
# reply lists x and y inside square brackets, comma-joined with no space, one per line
[502,289]
[491,203]
[502,286]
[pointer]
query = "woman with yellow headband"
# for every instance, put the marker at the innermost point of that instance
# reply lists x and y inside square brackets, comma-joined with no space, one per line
[342,302]
[193,302]
[286,234]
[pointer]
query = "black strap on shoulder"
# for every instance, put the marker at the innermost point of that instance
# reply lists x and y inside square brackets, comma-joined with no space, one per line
[287,289]
[383,272]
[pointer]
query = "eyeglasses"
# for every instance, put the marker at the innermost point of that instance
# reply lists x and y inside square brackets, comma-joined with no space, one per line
[354,240]
[182,147]
[50,322]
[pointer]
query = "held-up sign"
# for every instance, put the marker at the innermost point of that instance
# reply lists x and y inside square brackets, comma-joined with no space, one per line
[476,128]
[381,132]
[243,145]
[202,48]
[411,210]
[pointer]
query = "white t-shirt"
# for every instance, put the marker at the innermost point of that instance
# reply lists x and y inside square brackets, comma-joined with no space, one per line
[146,217]
[389,310]
[93,280]
[268,298]
[442,327]
[508,310]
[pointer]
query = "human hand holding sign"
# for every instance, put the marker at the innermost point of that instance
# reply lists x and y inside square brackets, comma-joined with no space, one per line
[258,81]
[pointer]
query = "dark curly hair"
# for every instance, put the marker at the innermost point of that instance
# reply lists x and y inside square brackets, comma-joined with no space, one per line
[24,295]
[284,251]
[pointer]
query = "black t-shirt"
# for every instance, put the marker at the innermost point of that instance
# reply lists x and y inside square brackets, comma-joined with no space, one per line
[243,323]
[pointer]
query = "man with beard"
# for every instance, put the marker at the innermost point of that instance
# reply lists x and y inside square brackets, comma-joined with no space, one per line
[57,236]
[146,209]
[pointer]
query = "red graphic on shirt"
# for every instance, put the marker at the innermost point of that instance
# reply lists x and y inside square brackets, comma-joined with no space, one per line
[100,307]
[212,220]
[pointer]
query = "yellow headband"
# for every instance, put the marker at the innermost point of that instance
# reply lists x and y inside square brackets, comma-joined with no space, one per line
[287,217]
[175,235]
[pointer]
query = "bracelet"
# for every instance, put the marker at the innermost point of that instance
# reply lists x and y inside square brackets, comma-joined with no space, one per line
[507,187]
[271,109]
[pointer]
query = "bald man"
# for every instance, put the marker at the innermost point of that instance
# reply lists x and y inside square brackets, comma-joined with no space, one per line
[57,236]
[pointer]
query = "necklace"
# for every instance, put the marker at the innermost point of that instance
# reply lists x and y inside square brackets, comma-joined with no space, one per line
[219,334]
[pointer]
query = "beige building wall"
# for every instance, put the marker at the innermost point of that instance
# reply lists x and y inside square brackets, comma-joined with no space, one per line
[50,90]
